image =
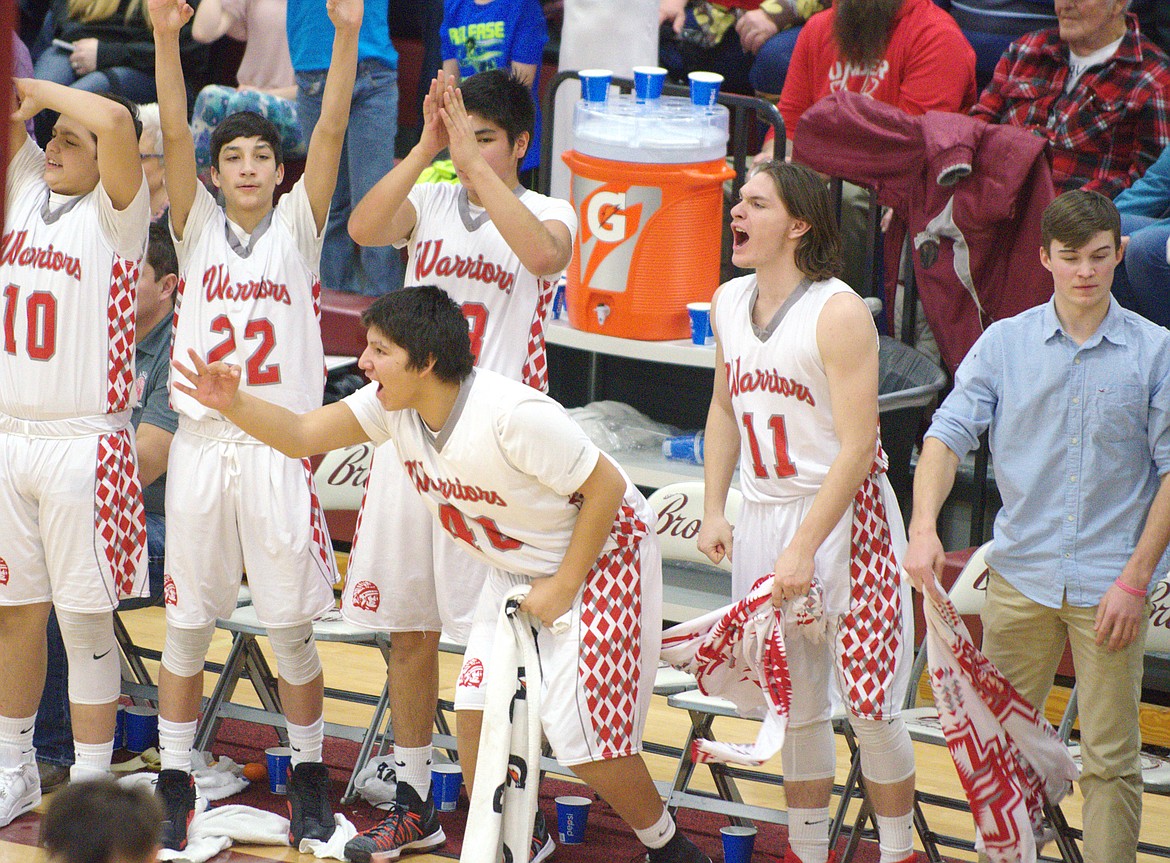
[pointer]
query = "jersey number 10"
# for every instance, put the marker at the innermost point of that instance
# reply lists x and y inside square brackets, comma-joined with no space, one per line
[40,323]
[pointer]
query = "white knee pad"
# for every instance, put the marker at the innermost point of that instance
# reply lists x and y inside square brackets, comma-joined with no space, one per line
[887,753]
[297,661]
[808,752]
[185,649]
[95,667]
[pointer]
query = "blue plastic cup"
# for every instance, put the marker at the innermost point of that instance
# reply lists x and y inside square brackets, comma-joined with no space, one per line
[279,761]
[648,81]
[738,843]
[704,88]
[684,447]
[572,813]
[446,780]
[141,728]
[120,728]
[701,333]
[595,84]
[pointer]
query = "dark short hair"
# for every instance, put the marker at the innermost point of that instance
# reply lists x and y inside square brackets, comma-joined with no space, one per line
[503,99]
[819,254]
[100,821]
[1076,217]
[245,124]
[129,106]
[426,323]
[160,251]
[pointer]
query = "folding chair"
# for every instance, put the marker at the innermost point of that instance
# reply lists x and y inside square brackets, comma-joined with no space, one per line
[246,659]
[968,594]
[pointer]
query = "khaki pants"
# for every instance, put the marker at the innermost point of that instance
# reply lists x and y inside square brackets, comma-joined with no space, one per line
[1025,640]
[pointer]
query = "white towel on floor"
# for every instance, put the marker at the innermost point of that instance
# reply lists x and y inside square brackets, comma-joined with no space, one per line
[503,805]
[217,779]
[377,783]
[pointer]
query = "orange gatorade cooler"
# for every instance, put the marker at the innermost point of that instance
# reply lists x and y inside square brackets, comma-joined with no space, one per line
[647,185]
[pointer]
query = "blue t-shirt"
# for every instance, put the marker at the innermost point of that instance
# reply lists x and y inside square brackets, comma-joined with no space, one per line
[310,35]
[493,36]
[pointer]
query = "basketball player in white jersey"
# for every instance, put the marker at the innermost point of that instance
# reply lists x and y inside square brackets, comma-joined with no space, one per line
[250,294]
[508,474]
[72,525]
[497,249]
[796,409]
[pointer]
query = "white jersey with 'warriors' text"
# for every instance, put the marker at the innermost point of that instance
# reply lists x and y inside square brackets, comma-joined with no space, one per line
[68,271]
[253,301]
[779,392]
[502,473]
[456,246]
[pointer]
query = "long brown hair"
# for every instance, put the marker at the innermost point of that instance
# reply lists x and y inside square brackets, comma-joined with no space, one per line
[819,253]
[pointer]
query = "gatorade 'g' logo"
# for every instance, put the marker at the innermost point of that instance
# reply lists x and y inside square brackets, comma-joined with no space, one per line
[613,215]
[607,218]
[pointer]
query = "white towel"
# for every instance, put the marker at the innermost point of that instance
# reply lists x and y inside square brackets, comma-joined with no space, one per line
[1008,757]
[503,805]
[214,830]
[377,783]
[215,778]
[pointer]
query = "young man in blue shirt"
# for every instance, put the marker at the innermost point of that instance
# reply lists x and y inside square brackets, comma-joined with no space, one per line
[1076,398]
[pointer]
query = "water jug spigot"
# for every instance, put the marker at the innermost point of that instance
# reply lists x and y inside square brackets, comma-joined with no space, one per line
[602,311]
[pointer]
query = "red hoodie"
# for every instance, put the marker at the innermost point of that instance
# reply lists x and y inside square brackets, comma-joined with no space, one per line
[928,65]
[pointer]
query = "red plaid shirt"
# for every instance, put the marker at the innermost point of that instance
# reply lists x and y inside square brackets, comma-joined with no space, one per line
[1105,133]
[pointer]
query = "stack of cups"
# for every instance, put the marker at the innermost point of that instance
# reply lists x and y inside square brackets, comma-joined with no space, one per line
[704,88]
[595,84]
[648,81]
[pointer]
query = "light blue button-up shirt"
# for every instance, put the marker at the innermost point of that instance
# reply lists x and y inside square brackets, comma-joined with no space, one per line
[1079,435]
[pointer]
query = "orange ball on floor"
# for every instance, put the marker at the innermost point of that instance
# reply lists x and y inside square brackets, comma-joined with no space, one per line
[255,772]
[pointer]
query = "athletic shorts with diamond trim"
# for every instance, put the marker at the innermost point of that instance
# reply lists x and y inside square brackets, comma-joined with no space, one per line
[869,644]
[599,676]
[235,504]
[72,526]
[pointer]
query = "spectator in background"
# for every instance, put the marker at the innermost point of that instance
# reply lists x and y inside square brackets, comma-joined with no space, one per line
[150,150]
[497,34]
[1094,87]
[266,81]
[1142,283]
[724,38]
[368,154]
[101,46]
[906,53]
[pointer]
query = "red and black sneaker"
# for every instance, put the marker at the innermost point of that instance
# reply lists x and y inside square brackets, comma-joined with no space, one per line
[411,828]
[176,791]
[309,814]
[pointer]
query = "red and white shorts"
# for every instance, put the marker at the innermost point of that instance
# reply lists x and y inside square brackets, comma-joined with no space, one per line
[234,504]
[869,643]
[72,526]
[599,676]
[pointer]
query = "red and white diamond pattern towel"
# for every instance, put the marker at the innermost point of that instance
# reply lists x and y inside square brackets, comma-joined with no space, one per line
[737,652]
[119,517]
[1008,757]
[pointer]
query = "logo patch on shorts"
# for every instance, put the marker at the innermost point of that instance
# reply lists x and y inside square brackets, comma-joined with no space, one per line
[170,592]
[366,596]
[3,571]
[471,677]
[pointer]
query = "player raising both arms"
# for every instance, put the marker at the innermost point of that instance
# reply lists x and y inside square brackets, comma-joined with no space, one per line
[72,528]
[251,296]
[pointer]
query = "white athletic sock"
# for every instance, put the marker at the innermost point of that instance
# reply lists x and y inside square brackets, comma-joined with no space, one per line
[658,833]
[19,733]
[808,834]
[412,765]
[175,740]
[895,837]
[91,760]
[306,741]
